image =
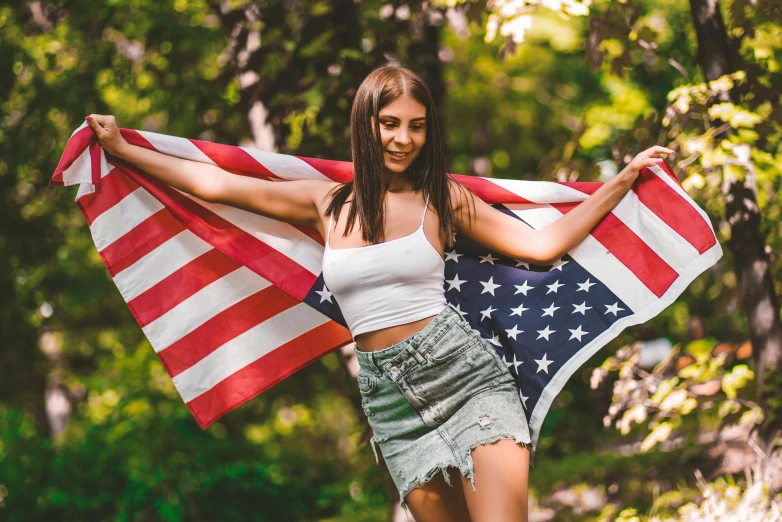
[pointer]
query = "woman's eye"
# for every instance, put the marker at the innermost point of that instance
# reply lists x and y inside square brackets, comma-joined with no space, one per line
[392,125]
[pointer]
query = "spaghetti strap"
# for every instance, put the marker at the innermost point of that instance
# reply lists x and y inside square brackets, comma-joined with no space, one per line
[328,232]
[426,206]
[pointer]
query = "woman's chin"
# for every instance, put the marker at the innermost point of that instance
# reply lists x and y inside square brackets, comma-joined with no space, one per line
[396,167]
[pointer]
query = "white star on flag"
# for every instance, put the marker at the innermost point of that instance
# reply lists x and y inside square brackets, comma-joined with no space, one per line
[518,310]
[543,364]
[585,286]
[489,259]
[515,363]
[549,310]
[545,332]
[614,308]
[489,286]
[452,255]
[459,309]
[582,308]
[523,288]
[513,332]
[487,313]
[324,294]
[578,332]
[554,286]
[523,399]
[455,283]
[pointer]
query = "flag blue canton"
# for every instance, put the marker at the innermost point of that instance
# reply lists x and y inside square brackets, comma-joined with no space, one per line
[536,317]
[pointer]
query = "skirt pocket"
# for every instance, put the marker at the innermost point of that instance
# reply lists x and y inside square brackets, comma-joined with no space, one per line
[455,341]
[458,367]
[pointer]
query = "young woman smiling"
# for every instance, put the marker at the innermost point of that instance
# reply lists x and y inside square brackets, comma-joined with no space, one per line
[438,396]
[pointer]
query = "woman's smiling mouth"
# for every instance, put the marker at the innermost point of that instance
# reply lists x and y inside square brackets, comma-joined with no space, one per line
[397,155]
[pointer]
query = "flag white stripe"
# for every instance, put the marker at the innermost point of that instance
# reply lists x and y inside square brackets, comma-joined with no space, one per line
[80,170]
[285,166]
[247,348]
[541,192]
[202,306]
[160,263]
[105,166]
[279,235]
[173,146]
[123,217]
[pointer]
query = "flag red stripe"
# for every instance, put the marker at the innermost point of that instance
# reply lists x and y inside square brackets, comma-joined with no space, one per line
[143,239]
[234,158]
[268,370]
[275,267]
[114,188]
[675,211]
[224,326]
[95,161]
[631,251]
[341,171]
[488,191]
[135,138]
[668,170]
[183,283]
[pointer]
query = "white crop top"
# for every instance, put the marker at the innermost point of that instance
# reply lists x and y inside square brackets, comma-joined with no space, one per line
[386,284]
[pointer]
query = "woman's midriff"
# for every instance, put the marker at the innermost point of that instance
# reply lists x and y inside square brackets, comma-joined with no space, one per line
[385,337]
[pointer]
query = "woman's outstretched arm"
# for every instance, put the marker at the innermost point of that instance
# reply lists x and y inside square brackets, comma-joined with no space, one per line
[492,228]
[295,202]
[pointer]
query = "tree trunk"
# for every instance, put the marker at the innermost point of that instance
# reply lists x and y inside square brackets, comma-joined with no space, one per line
[759,301]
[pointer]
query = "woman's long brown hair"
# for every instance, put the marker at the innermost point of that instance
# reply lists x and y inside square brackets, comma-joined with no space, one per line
[368,186]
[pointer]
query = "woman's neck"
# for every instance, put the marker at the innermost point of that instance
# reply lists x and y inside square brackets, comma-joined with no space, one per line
[398,182]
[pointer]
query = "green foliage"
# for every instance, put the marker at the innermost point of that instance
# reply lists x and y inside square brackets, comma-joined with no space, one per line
[131,450]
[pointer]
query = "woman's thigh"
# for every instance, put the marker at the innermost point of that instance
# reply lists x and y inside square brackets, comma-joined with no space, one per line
[436,501]
[501,478]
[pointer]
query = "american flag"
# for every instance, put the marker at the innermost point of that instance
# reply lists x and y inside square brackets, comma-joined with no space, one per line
[234,302]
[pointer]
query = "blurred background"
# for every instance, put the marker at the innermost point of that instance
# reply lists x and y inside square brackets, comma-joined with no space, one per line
[675,419]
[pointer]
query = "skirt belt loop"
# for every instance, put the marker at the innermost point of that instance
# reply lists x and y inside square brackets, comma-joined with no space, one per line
[414,353]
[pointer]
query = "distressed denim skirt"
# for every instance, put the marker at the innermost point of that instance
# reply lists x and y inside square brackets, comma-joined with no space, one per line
[433,397]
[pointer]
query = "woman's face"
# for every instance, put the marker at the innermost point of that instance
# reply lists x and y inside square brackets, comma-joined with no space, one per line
[402,130]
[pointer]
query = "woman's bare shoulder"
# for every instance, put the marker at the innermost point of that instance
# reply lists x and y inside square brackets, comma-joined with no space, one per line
[322,188]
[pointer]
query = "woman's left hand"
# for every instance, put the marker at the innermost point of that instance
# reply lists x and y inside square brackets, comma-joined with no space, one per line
[647,158]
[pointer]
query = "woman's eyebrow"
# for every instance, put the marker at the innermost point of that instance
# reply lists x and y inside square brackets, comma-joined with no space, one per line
[389,117]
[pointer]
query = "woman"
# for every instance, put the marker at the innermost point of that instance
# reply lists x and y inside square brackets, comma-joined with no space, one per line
[436,394]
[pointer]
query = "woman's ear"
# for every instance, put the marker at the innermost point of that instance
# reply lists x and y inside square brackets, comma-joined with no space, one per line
[372,124]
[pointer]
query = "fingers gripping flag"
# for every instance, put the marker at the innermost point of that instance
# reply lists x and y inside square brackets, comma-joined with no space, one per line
[234,302]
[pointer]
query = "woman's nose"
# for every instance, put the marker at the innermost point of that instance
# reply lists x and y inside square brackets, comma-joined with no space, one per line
[402,137]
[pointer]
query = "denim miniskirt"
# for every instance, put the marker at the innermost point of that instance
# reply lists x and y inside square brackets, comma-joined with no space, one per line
[433,397]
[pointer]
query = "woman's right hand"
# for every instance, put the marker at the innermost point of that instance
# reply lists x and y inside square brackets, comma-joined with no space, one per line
[108,134]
